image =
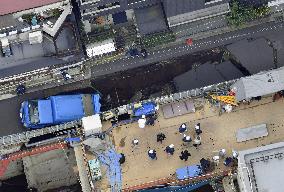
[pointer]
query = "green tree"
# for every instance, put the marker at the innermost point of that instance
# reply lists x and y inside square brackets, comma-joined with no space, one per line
[239,15]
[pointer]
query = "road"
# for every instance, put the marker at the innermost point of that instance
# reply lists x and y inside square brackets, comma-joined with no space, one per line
[9,109]
[183,49]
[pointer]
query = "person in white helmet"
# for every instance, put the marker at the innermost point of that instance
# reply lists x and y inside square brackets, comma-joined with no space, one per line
[198,129]
[182,128]
[222,153]
[186,138]
[170,149]
[235,154]
[142,122]
[152,154]
[197,141]
[135,142]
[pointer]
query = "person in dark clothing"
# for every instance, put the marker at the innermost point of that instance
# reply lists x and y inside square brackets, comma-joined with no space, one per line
[205,165]
[198,129]
[228,161]
[170,149]
[150,121]
[152,154]
[182,128]
[161,137]
[184,155]
[122,158]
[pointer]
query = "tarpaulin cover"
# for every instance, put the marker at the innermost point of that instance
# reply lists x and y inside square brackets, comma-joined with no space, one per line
[96,103]
[45,112]
[188,171]
[111,160]
[145,109]
[67,108]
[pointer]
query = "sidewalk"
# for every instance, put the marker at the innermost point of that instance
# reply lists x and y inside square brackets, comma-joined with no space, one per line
[198,35]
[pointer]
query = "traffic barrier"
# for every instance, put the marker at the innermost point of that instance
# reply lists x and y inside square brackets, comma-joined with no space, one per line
[19,138]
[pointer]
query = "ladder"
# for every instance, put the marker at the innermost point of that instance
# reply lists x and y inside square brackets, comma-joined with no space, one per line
[225,99]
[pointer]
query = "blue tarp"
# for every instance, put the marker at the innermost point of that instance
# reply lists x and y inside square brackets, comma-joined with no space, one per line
[45,112]
[67,108]
[186,188]
[111,159]
[96,103]
[145,109]
[188,171]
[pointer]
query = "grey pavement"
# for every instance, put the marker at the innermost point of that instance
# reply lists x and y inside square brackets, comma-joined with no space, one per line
[29,65]
[183,49]
[193,28]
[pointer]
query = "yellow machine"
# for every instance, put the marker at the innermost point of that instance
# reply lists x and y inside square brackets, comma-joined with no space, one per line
[225,99]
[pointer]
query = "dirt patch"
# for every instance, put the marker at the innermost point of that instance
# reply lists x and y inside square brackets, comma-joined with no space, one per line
[122,142]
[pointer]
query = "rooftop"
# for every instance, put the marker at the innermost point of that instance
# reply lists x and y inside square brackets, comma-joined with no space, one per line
[150,19]
[139,169]
[266,167]
[173,8]
[12,6]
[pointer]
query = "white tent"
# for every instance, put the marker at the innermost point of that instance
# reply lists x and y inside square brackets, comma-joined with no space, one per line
[92,124]
[260,84]
[100,48]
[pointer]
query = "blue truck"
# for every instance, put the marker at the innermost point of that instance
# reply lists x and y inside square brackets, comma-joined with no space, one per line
[58,109]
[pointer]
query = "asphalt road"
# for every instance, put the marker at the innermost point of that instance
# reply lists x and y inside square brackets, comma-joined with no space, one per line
[180,50]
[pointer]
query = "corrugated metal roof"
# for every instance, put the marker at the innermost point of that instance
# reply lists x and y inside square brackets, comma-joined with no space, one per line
[260,84]
[12,6]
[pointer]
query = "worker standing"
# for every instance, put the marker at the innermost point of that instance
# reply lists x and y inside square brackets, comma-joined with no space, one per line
[235,154]
[135,142]
[182,128]
[152,154]
[222,153]
[198,129]
[170,149]
[142,122]
[197,141]
[184,155]
[161,137]
[186,138]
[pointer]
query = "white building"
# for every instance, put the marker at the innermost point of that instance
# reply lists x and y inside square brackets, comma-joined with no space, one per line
[261,169]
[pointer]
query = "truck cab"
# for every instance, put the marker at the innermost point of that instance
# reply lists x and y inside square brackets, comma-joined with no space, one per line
[58,109]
